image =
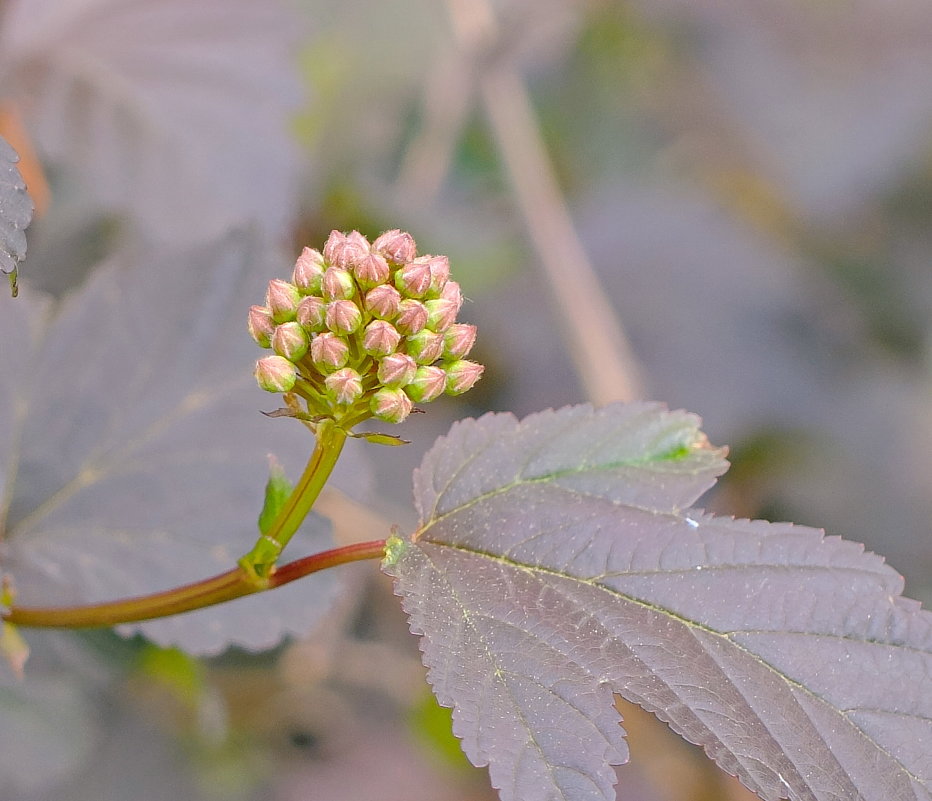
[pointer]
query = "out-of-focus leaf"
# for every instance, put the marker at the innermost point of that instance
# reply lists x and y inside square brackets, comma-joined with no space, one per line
[138,457]
[554,564]
[16,209]
[175,110]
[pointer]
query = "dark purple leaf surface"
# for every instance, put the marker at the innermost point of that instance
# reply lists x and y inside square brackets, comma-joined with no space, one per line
[176,111]
[134,454]
[554,563]
[15,210]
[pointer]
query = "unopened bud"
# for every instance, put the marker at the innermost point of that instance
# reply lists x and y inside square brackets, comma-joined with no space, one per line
[380,338]
[425,347]
[261,326]
[439,274]
[337,284]
[343,317]
[412,316]
[308,270]
[312,314]
[396,246]
[383,301]
[344,386]
[345,250]
[413,280]
[461,375]
[451,291]
[391,405]
[428,383]
[441,314]
[290,341]
[275,374]
[372,271]
[458,340]
[396,370]
[329,352]
[282,300]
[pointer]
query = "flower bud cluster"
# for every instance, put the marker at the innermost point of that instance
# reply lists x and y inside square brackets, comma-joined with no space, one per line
[364,329]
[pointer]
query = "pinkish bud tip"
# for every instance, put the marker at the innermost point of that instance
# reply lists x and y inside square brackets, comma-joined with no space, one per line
[383,301]
[413,280]
[312,314]
[337,284]
[391,405]
[275,374]
[396,370]
[396,246]
[260,325]
[428,383]
[308,270]
[344,386]
[425,347]
[343,317]
[282,300]
[462,375]
[380,338]
[412,316]
[458,340]
[329,352]
[290,341]
[345,250]
[372,271]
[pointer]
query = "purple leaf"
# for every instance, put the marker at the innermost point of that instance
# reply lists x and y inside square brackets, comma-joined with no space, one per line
[136,455]
[553,564]
[177,111]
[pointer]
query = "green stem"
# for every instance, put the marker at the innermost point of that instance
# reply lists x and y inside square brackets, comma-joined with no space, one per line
[260,561]
[218,589]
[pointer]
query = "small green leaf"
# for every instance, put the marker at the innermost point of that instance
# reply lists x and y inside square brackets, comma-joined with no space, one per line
[277,490]
[381,439]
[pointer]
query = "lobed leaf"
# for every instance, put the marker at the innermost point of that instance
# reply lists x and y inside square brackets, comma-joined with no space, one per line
[554,564]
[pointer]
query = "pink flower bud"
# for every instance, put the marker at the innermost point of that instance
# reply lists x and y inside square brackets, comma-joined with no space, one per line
[441,314]
[391,405]
[260,325]
[312,314]
[428,383]
[396,370]
[372,271]
[343,317]
[382,301]
[425,347]
[337,284]
[275,374]
[458,340]
[282,300]
[380,338]
[412,317]
[308,270]
[329,352]
[344,386]
[451,291]
[345,250]
[396,246]
[439,274]
[290,341]
[413,280]
[461,375]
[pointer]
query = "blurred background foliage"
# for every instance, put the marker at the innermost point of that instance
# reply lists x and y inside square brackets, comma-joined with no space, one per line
[749,184]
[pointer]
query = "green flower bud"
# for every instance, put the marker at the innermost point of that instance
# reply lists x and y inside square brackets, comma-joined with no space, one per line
[337,284]
[458,340]
[380,338]
[312,314]
[413,280]
[441,314]
[290,341]
[428,383]
[461,375]
[260,325]
[275,374]
[372,271]
[396,370]
[308,271]
[343,317]
[282,300]
[329,352]
[345,250]
[396,246]
[425,347]
[383,302]
[412,316]
[391,405]
[344,386]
